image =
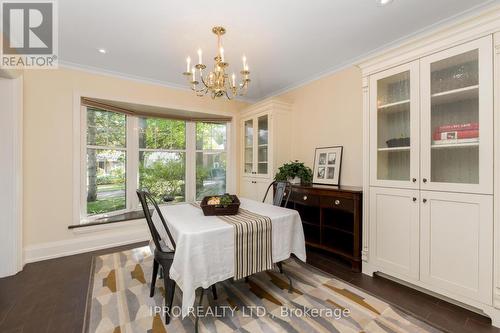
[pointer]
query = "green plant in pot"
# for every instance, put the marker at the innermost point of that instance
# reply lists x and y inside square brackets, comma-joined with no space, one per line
[295,173]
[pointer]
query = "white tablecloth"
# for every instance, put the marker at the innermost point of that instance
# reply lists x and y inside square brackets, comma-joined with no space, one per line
[205,244]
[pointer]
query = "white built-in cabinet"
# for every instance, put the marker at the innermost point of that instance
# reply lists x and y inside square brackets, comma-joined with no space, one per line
[395,224]
[264,146]
[428,184]
[456,243]
[412,105]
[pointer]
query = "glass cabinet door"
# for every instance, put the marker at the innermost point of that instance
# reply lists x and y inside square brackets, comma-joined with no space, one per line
[248,146]
[395,127]
[457,118]
[262,144]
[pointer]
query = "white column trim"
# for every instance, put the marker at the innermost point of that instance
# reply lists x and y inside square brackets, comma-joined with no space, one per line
[366,169]
[496,174]
[11,246]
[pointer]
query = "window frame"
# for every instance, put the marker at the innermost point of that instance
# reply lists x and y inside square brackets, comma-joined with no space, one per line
[214,151]
[139,149]
[132,165]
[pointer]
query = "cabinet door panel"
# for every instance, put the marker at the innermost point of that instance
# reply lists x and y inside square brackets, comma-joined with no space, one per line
[247,188]
[262,185]
[456,243]
[248,147]
[456,119]
[394,127]
[394,223]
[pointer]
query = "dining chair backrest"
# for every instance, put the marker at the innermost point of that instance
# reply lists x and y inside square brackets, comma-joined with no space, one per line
[144,198]
[282,192]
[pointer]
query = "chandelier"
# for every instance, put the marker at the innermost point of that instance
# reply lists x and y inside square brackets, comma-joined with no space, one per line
[216,82]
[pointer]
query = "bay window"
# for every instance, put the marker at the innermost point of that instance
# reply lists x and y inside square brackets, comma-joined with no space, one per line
[176,160]
[211,159]
[106,159]
[162,158]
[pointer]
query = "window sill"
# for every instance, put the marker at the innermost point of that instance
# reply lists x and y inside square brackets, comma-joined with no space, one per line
[108,222]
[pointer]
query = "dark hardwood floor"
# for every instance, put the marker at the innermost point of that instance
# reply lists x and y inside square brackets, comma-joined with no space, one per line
[50,296]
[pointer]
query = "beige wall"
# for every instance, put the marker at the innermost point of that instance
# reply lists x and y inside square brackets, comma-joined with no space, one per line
[329,112]
[48,136]
[325,112]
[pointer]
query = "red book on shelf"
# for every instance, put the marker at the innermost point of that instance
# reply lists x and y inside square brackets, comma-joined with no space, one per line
[452,135]
[458,127]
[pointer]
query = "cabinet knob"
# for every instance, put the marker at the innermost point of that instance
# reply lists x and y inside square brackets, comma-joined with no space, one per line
[424,180]
[305,197]
[337,202]
[425,200]
[414,180]
[414,199]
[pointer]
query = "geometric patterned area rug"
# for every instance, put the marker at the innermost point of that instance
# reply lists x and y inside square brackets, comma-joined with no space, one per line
[119,302]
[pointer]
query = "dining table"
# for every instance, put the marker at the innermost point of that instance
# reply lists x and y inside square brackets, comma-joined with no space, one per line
[205,245]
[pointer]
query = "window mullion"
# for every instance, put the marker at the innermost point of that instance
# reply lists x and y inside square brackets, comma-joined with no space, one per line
[132,162]
[83,163]
[190,161]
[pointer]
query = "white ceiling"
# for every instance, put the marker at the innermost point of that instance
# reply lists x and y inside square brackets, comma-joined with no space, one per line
[287,42]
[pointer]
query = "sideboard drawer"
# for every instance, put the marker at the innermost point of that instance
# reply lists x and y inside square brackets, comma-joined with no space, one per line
[338,203]
[304,198]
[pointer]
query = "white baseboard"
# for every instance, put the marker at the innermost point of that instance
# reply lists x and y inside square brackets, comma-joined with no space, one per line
[83,244]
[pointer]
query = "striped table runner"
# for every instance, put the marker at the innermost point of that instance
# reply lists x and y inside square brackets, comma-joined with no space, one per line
[252,240]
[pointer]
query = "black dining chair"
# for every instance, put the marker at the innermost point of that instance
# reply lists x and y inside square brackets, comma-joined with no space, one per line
[163,254]
[283,191]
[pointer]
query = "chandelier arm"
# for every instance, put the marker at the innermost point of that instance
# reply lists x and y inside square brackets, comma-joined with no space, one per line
[203,81]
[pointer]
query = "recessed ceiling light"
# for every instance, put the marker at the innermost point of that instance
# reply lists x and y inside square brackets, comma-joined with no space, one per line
[384,2]
[103,51]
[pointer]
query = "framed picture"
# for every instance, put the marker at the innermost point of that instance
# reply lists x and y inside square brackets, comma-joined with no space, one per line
[327,163]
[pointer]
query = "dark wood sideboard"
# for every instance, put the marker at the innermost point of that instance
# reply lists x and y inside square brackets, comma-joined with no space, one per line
[331,217]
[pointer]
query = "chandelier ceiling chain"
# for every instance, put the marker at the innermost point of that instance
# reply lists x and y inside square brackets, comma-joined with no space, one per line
[217,82]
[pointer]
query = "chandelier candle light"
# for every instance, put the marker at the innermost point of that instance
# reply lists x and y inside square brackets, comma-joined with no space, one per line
[217,82]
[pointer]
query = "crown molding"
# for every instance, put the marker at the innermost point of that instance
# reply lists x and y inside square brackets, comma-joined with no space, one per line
[478,22]
[268,103]
[362,60]
[484,14]
[135,78]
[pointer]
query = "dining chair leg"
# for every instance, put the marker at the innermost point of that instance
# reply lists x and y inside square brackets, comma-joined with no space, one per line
[171,287]
[290,285]
[199,305]
[169,296]
[154,277]
[214,291]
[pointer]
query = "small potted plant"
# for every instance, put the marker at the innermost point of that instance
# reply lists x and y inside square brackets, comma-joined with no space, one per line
[295,173]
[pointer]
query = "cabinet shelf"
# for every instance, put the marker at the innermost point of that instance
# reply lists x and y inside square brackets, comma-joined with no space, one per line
[394,107]
[456,145]
[338,229]
[455,95]
[394,149]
